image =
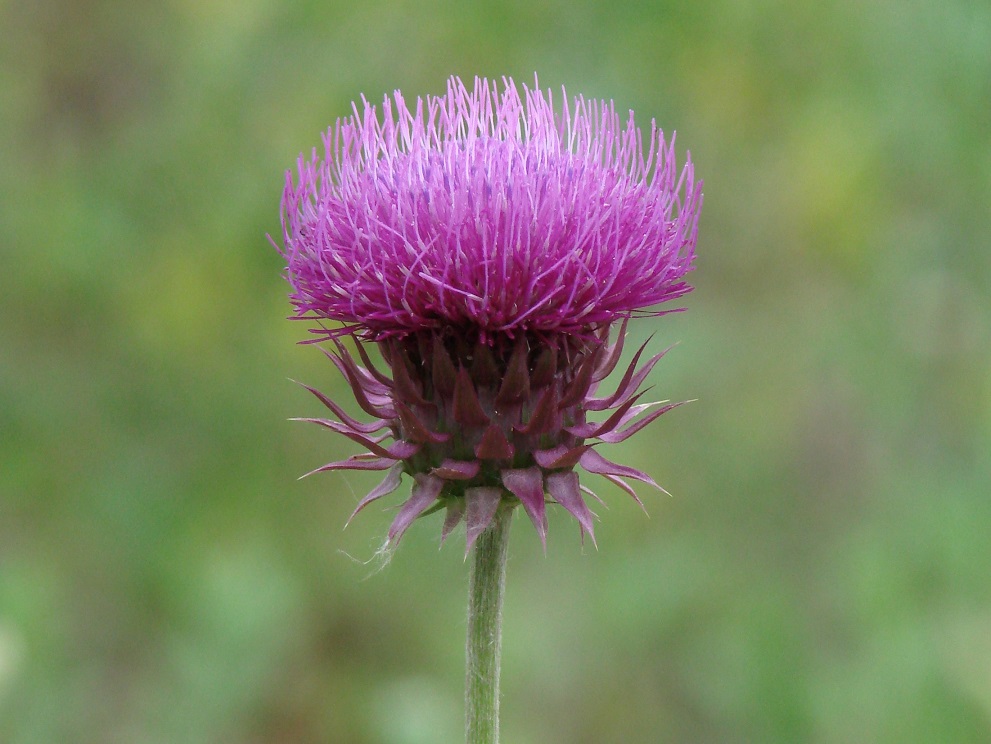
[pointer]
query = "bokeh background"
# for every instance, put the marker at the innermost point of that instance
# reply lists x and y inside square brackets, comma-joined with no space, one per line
[822,571]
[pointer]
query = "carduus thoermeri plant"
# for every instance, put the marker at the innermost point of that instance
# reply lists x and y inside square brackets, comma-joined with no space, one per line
[494,249]
[493,244]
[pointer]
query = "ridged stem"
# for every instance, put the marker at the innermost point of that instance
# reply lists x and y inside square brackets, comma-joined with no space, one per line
[486,586]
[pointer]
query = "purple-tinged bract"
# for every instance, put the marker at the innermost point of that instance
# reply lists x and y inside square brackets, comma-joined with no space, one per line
[487,241]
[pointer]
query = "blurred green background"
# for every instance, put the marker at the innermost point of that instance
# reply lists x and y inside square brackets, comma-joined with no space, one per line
[822,572]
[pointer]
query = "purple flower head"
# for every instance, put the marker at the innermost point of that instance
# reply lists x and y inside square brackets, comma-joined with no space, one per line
[487,243]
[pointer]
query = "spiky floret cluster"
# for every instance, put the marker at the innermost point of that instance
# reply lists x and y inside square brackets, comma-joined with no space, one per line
[487,244]
[489,212]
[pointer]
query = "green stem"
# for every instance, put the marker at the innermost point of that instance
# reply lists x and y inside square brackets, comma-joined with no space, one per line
[486,587]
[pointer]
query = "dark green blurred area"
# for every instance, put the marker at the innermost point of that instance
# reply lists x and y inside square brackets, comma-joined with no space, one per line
[822,572]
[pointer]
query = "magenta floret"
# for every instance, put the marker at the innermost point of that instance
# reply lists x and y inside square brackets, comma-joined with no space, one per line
[487,210]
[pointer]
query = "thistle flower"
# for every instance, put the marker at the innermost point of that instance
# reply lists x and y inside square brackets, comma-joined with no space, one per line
[488,244]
